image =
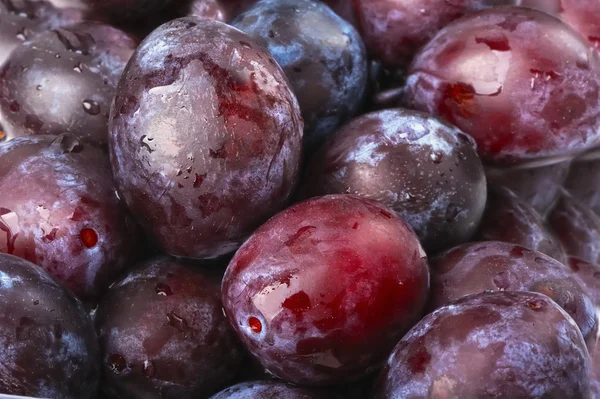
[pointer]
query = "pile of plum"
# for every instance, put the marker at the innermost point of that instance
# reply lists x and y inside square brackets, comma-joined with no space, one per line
[300,199]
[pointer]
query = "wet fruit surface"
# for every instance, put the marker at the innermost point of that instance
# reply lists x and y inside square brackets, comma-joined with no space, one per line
[510,219]
[322,55]
[271,389]
[59,210]
[577,227]
[424,169]
[522,83]
[163,333]
[322,291]
[504,344]
[205,137]
[49,345]
[63,81]
[474,268]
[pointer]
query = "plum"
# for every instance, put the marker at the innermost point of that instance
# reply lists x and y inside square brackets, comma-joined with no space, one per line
[58,209]
[424,169]
[128,9]
[477,267]
[322,55]
[510,219]
[171,339]
[205,137]
[577,227]
[583,182]
[270,389]
[50,349]
[394,31]
[521,82]
[490,345]
[588,275]
[538,186]
[63,81]
[21,20]
[322,292]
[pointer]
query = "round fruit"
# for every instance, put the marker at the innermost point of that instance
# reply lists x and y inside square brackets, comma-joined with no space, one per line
[583,182]
[63,81]
[474,268]
[49,346]
[322,55]
[58,209]
[501,345]
[424,169]
[321,292]
[163,333]
[522,83]
[205,137]
[270,389]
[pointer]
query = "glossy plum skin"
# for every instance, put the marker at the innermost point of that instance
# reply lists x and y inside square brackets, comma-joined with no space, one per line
[521,82]
[510,219]
[163,333]
[321,292]
[322,55]
[577,227]
[582,15]
[588,275]
[583,182]
[63,81]
[271,389]
[50,349]
[394,31]
[205,137]
[539,186]
[477,267]
[59,210]
[21,20]
[424,169]
[501,345]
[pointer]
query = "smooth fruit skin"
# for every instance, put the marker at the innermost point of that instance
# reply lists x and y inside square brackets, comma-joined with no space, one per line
[59,210]
[322,55]
[508,218]
[205,137]
[50,349]
[424,169]
[588,275]
[125,10]
[271,389]
[539,186]
[577,227]
[163,333]
[523,84]
[63,81]
[500,345]
[582,15]
[321,292]
[395,30]
[583,182]
[492,266]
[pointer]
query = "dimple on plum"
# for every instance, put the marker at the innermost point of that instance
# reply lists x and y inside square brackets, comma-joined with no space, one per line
[521,82]
[477,267]
[163,333]
[322,55]
[63,81]
[59,210]
[424,169]
[205,137]
[322,291]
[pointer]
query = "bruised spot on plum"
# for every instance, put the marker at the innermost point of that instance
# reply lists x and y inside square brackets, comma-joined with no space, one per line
[51,236]
[297,303]
[458,98]
[517,252]
[495,43]
[355,226]
[536,305]
[221,153]
[302,232]
[386,214]
[255,325]
[199,180]
[89,237]
[419,361]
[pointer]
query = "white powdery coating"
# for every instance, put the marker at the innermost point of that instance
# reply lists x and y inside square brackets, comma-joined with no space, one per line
[7,282]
